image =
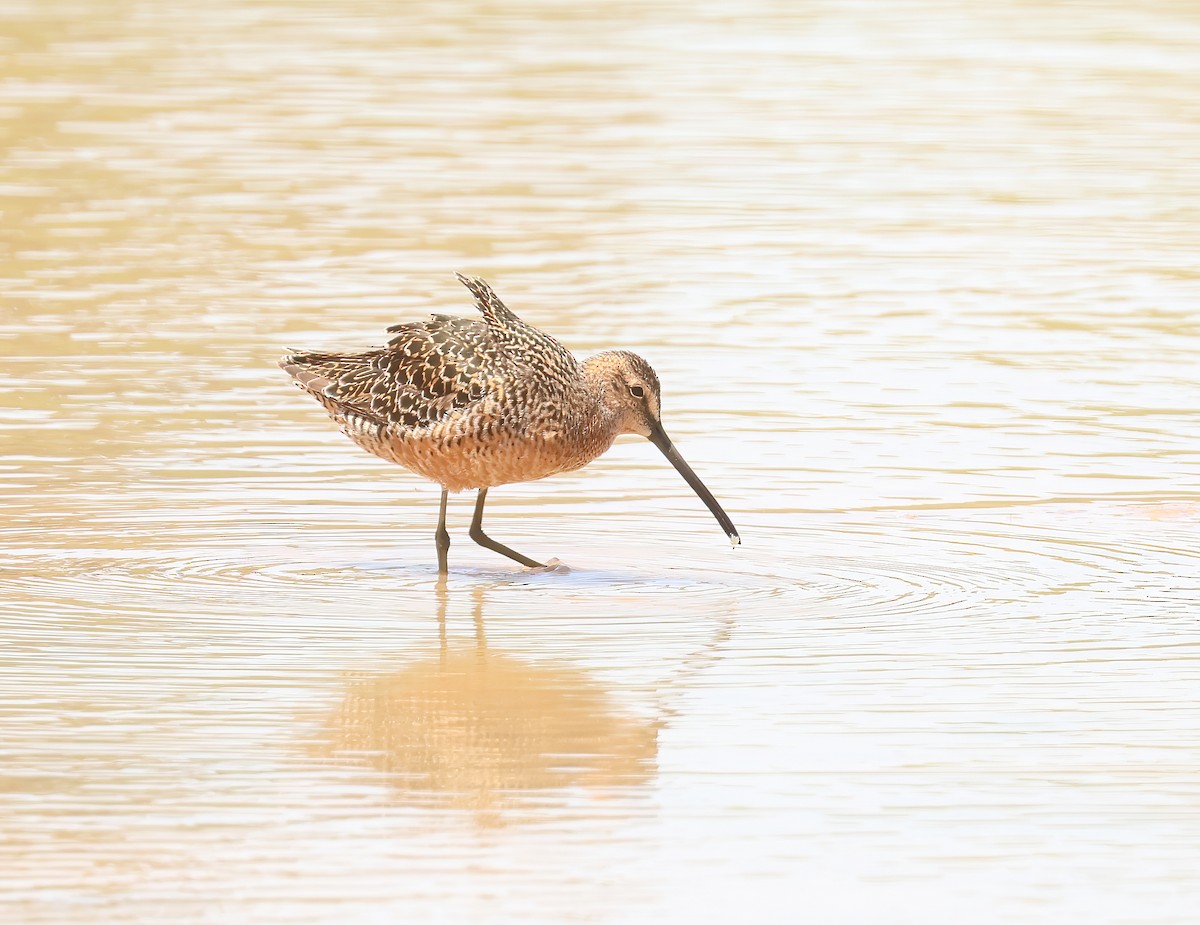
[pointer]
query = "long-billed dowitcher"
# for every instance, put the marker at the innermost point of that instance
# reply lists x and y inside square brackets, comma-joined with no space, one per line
[473,404]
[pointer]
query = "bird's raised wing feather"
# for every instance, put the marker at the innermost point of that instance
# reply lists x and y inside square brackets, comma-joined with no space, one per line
[522,342]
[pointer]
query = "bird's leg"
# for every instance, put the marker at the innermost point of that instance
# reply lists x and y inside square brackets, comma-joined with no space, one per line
[441,537]
[483,539]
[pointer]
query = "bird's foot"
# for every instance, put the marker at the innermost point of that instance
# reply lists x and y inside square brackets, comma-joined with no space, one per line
[551,565]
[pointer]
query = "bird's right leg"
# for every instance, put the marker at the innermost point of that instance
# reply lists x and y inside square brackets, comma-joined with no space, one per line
[441,537]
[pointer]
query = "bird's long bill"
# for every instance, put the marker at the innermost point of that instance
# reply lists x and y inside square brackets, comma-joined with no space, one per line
[660,439]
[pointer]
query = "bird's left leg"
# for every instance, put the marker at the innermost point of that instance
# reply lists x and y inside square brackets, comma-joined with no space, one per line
[483,539]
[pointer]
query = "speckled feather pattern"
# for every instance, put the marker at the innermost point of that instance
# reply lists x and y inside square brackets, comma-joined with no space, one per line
[472,404]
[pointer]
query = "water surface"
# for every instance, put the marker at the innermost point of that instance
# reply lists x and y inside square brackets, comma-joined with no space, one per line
[920,283]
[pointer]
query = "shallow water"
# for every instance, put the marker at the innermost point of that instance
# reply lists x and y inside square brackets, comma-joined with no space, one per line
[920,282]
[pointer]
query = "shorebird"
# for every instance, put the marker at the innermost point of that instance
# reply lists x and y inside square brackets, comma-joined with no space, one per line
[474,404]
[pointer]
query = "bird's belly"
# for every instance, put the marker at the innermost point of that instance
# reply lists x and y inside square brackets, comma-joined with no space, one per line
[464,461]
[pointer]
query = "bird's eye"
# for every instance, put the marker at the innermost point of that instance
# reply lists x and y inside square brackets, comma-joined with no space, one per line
[637,391]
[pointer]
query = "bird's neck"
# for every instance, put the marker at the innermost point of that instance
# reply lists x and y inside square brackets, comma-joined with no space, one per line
[599,416]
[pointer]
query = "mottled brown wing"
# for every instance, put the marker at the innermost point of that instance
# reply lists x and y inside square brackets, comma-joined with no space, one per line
[522,342]
[427,371]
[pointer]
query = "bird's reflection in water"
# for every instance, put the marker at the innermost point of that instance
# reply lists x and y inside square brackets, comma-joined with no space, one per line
[477,728]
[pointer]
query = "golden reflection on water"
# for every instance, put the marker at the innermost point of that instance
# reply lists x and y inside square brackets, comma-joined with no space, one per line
[486,730]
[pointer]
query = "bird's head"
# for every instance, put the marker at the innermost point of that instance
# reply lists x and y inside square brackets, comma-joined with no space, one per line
[628,389]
